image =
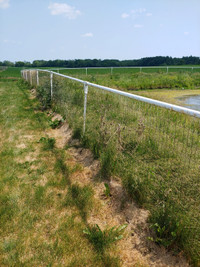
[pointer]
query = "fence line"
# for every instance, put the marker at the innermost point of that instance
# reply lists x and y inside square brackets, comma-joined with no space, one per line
[179,109]
[140,68]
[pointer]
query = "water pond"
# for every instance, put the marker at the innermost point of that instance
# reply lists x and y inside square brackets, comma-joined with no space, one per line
[190,101]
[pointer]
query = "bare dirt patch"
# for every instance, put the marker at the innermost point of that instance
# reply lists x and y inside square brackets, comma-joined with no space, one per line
[21,146]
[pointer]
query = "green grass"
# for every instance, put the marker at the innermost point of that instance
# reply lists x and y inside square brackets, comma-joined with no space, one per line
[128,71]
[13,72]
[130,79]
[154,151]
[42,213]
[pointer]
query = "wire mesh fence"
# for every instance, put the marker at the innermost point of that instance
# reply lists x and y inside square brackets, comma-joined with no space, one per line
[155,151]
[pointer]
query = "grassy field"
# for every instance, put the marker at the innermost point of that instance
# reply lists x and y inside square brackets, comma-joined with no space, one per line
[129,71]
[11,73]
[154,151]
[142,81]
[15,71]
[44,207]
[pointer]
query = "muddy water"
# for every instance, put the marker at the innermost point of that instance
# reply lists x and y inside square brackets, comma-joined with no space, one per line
[190,101]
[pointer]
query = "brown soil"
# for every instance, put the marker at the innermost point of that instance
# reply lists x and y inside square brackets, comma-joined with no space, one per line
[134,249]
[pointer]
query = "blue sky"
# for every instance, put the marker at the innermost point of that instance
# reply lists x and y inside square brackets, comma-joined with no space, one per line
[120,29]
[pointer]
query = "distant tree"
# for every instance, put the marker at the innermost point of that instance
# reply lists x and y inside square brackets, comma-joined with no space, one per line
[19,64]
[8,63]
[82,63]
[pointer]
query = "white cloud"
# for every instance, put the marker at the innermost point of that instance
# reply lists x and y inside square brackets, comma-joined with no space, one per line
[88,34]
[4,4]
[63,9]
[186,33]
[125,15]
[11,42]
[138,26]
[138,11]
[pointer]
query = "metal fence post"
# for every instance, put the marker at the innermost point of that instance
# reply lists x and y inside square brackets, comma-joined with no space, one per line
[37,77]
[51,83]
[86,71]
[140,69]
[85,105]
[111,70]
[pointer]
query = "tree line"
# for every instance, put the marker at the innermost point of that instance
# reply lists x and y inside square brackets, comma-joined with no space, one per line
[83,63]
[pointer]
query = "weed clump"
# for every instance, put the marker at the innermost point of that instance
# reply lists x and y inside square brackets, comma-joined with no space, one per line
[103,239]
[47,143]
[55,124]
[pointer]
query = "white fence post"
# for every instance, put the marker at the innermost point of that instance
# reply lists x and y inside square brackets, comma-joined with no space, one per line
[51,83]
[30,77]
[37,77]
[111,70]
[140,69]
[86,71]
[85,105]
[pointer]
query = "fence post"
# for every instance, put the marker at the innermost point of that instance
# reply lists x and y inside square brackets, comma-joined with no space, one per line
[37,77]
[51,83]
[86,71]
[167,69]
[30,77]
[111,70]
[140,69]
[85,105]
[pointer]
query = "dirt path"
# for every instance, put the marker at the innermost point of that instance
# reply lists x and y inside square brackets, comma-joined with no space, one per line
[134,249]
